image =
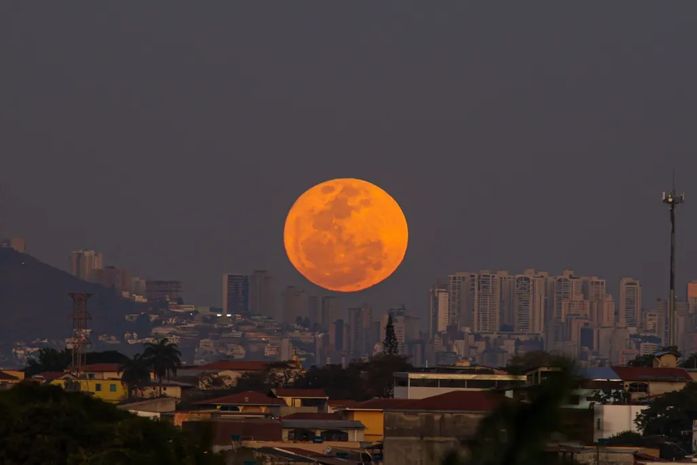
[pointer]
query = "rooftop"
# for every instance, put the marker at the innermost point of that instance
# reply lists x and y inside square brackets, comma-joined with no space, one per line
[652,374]
[301,393]
[243,398]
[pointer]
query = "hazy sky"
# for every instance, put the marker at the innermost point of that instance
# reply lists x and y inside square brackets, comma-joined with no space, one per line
[174,136]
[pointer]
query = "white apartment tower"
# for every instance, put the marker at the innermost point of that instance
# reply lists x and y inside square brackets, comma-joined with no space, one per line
[630,303]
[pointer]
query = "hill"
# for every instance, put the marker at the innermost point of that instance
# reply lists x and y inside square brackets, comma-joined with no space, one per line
[34,301]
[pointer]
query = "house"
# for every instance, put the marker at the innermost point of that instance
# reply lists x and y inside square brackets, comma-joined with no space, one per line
[228,434]
[247,403]
[102,371]
[428,382]
[321,427]
[641,382]
[107,389]
[150,408]
[610,420]
[371,413]
[311,400]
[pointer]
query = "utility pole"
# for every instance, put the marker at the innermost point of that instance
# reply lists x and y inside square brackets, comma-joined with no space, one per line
[80,339]
[672,199]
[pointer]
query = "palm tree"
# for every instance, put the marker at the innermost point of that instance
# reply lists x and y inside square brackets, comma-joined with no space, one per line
[136,373]
[164,358]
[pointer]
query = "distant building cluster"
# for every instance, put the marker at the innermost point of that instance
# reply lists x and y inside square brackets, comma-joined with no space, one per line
[490,316]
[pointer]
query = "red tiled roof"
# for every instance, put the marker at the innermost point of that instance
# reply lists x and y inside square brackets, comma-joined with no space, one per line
[313,416]
[49,375]
[7,377]
[342,403]
[101,367]
[472,401]
[652,374]
[468,401]
[305,393]
[235,365]
[254,429]
[243,398]
[379,404]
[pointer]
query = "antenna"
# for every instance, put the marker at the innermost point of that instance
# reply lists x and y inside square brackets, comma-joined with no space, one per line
[80,339]
[672,199]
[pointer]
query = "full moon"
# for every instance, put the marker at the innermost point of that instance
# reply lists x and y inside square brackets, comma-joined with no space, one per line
[345,235]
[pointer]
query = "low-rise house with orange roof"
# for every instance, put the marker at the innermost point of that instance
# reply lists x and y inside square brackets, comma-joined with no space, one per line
[247,403]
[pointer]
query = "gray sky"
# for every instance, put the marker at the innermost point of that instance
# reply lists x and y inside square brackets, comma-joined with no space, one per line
[174,136]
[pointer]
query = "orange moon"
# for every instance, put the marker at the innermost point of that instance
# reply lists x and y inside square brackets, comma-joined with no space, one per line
[346,235]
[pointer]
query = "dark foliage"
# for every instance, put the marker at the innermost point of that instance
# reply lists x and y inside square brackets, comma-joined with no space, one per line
[359,381]
[516,433]
[390,346]
[671,415]
[521,364]
[46,425]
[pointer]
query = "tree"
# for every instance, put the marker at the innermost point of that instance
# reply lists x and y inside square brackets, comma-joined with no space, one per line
[390,346]
[671,415]
[516,432]
[378,374]
[690,362]
[135,373]
[45,424]
[48,359]
[642,361]
[521,364]
[164,358]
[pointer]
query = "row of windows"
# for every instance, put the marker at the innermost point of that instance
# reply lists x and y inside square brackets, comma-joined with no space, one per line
[98,387]
[458,383]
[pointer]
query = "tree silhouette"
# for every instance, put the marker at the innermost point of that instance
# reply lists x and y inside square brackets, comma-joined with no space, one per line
[135,373]
[390,346]
[164,358]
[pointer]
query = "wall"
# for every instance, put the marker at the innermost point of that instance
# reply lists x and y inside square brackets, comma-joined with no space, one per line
[609,420]
[421,438]
[373,421]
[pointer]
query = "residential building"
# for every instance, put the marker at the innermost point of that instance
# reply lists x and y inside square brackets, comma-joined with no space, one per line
[19,244]
[261,294]
[295,304]
[85,263]
[235,294]
[428,382]
[629,312]
[360,322]
[163,291]
[438,310]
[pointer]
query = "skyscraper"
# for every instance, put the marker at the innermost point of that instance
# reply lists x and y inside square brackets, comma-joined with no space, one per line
[462,299]
[85,263]
[439,304]
[360,321]
[330,311]
[629,311]
[487,310]
[294,304]
[529,302]
[261,294]
[235,294]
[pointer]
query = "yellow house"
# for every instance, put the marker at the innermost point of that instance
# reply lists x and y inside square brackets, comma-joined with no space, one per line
[108,390]
[372,414]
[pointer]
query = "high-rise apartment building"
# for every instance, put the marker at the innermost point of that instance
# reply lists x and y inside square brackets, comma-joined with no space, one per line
[487,310]
[163,291]
[528,302]
[261,294]
[235,294]
[438,310]
[294,304]
[462,299]
[629,312]
[85,263]
[331,310]
[360,322]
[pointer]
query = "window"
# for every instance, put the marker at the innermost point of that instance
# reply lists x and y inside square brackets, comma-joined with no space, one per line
[481,383]
[98,387]
[416,382]
[112,387]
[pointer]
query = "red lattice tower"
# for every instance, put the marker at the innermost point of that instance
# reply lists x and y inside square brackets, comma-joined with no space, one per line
[80,338]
